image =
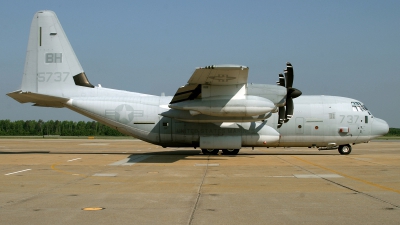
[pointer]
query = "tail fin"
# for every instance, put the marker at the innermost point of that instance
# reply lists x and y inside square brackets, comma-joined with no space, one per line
[51,66]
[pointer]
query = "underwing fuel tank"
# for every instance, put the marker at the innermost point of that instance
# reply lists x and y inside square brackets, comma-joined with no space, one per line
[227,107]
[254,134]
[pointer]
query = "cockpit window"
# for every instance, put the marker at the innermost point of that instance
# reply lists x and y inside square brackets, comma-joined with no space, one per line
[357,106]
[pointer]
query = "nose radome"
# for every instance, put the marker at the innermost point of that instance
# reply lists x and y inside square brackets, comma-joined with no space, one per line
[379,127]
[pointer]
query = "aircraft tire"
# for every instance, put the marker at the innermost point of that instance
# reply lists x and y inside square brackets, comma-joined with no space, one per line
[344,149]
[210,151]
[230,151]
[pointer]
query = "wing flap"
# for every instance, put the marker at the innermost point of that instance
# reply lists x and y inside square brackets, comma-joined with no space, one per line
[188,92]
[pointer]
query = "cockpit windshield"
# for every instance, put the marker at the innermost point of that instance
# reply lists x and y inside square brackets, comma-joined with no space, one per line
[358,106]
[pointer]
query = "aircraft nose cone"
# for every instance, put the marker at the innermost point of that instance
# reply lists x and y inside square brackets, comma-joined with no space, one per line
[379,127]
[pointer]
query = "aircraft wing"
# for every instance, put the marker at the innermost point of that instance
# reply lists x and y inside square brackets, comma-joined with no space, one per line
[211,75]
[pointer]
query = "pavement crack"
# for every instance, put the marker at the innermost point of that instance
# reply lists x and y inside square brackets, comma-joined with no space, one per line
[199,193]
[360,192]
[341,185]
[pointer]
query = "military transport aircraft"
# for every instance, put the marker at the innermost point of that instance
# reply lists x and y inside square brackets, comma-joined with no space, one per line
[216,110]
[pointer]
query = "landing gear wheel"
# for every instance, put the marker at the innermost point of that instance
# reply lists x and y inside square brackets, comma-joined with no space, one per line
[210,151]
[230,151]
[344,149]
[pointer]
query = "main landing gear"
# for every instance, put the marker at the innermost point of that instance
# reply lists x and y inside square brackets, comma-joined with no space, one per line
[224,151]
[230,151]
[344,149]
[210,151]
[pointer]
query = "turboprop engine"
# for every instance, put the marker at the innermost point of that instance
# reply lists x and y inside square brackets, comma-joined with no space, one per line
[220,93]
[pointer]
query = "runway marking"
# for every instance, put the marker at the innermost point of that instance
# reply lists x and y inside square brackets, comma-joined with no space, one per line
[131,160]
[350,177]
[104,175]
[17,172]
[73,159]
[317,176]
[205,164]
[93,208]
[95,144]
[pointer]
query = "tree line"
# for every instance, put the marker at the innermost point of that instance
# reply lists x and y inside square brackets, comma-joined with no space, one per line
[62,128]
[393,132]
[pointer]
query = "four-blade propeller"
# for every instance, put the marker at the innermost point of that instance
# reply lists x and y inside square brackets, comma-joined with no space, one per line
[286,112]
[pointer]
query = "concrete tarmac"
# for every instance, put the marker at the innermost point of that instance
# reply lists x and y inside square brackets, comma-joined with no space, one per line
[111,181]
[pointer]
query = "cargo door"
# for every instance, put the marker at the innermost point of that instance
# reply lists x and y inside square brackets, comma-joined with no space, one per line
[178,132]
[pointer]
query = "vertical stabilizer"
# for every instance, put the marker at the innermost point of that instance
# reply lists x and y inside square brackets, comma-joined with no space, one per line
[51,66]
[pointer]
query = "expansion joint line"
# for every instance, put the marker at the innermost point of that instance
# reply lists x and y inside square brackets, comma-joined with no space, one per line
[199,193]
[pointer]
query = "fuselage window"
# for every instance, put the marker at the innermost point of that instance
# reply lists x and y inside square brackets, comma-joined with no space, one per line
[366,119]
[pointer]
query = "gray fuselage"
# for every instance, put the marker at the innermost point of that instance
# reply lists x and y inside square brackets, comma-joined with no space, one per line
[319,121]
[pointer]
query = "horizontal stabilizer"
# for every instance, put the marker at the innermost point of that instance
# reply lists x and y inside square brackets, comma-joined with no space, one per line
[38,99]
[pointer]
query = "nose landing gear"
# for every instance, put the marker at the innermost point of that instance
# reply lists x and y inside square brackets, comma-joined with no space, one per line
[344,149]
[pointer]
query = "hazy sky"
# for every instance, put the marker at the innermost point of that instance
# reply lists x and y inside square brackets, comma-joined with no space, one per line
[341,48]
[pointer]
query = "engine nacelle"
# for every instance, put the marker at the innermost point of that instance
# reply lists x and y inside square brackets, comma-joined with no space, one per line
[227,106]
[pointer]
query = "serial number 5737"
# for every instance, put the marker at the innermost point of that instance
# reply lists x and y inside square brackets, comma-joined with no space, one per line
[52,76]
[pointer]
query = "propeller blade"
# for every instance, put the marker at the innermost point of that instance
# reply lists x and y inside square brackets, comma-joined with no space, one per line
[281,81]
[281,115]
[289,75]
[286,112]
[289,109]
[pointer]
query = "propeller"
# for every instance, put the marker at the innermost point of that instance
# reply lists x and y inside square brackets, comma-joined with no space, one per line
[286,112]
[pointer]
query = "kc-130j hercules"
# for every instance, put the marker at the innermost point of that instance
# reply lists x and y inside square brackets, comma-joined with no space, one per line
[216,110]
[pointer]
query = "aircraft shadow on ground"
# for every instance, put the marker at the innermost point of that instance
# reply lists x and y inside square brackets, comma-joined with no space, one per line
[176,155]
[171,156]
